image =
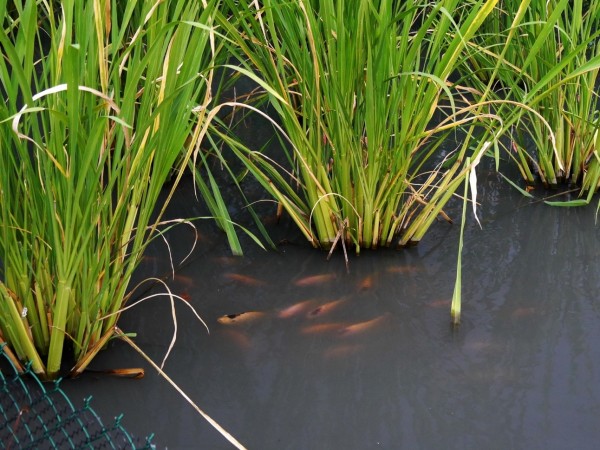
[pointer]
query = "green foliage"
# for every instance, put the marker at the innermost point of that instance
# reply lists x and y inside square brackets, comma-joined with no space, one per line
[361,89]
[105,101]
[101,97]
[544,57]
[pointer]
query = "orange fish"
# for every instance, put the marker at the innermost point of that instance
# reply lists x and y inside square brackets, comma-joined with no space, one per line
[245,317]
[184,280]
[522,312]
[326,308]
[296,309]
[243,279]
[402,269]
[236,337]
[320,328]
[366,283]
[227,260]
[362,327]
[315,279]
[149,259]
[340,351]
[442,303]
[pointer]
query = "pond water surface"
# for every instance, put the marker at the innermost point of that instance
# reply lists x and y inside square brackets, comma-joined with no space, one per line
[366,358]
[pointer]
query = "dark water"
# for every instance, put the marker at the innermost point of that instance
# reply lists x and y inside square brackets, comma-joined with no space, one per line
[522,371]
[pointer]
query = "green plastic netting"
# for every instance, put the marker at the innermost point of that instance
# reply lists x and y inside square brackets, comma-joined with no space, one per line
[33,417]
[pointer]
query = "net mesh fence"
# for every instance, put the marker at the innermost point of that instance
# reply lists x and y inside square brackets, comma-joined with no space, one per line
[34,416]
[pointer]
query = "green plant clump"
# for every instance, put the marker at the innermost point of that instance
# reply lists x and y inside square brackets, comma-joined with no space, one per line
[100,98]
[543,58]
[106,100]
[363,99]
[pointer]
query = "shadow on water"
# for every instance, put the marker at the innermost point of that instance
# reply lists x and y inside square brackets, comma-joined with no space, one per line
[366,360]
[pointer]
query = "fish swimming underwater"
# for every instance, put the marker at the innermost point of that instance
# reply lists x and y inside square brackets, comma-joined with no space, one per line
[240,318]
[366,326]
[323,328]
[343,350]
[313,280]
[296,309]
[366,283]
[326,308]
[244,279]
[236,337]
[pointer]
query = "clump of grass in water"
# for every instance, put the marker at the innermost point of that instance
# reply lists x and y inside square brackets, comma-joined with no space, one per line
[546,58]
[89,135]
[355,85]
[99,100]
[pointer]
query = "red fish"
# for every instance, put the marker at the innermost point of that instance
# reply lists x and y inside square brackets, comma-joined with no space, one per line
[227,260]
[402,269]
[315,279]
[326,308]
[340,351]
[321,328]
[236,337]
[522,312]
[441,303]
[243,279]
[366,283]
[363,327]
[184,280]
[245,317]
[296,309]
